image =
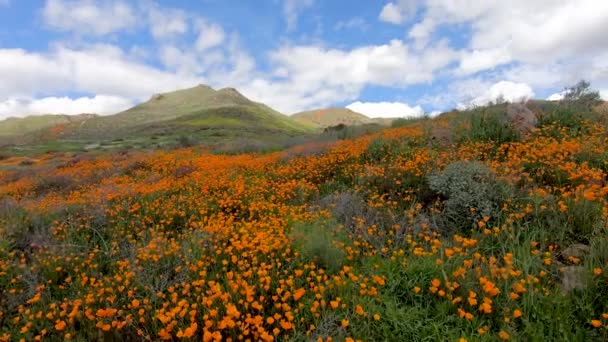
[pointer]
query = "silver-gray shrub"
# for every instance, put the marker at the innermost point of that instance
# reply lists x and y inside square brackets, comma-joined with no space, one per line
[470,191]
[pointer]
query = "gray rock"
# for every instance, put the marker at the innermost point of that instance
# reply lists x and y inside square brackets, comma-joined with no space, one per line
[577,250]
[573,277]
[521,117]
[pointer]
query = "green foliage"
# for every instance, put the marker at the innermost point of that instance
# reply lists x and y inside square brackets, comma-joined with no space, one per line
[471,192]
[379,149]
[569,116]
[315,241]
[566,222]
[402,122]
[581,96]
[484,124]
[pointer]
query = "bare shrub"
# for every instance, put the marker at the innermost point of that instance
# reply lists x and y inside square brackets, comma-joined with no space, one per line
[306,150]
[57,183]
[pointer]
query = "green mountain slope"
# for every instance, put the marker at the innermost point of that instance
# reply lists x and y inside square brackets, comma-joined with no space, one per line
[322,118]
[198,115]
[14,127]
[200,106]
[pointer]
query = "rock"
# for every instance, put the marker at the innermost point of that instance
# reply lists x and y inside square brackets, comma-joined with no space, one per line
[573,277]
[521,117]
[441,135]
[577,250]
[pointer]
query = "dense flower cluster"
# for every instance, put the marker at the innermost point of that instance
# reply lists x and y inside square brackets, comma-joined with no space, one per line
[188,245]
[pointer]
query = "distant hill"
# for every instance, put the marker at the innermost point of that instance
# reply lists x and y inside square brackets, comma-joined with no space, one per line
[185,111]
[199,115]
[15,127]
[322,118]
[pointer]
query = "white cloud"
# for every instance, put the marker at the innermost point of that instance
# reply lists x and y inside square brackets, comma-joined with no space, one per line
[478,60]
[556,96]
[388,64]
[292,9]
[391,14]
[386,109]
[97,69]
[210,35]
[604,94]
[165,22]
[87,16]
[509,91]
[530,31]
[99,104]
[308,77]
[397,12]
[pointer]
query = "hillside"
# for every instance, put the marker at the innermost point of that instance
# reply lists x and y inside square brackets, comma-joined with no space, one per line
[322,118]
[198,115]
[496,234]
[15,127]
[200,106]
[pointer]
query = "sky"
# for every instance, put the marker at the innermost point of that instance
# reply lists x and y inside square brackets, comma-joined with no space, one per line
[382,58]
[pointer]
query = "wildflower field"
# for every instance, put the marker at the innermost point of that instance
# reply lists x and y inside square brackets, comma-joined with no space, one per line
[392,236]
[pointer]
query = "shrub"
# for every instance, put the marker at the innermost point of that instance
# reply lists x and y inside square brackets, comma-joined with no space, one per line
[54,183]
[485,124]
[581,96]
[471,192]
[315,242]
[401,122]
[378,149]
[185,141]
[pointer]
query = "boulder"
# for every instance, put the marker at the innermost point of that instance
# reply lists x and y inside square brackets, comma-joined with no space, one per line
[573,277]
[577,250]
[522,118]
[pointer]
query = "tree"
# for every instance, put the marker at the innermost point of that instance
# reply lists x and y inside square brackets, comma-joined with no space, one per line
[581,95]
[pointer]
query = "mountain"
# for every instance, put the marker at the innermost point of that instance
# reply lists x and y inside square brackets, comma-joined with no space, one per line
[200,106]
[322,118]
[200,115]
[15,127]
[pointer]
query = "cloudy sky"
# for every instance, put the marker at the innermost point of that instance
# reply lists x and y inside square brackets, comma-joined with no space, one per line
[382,58]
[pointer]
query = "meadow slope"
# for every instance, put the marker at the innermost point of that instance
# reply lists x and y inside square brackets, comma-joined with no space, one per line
[393,236]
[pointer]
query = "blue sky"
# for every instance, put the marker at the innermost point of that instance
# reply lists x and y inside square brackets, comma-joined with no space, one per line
[382,58]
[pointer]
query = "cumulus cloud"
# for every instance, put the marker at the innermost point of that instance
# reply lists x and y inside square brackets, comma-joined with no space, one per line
[556,96]
[505,90]
[520,30]
[310,76]
[99,104]
[97,69]
[87,16]
[386,109]
[478,60]
[307,76]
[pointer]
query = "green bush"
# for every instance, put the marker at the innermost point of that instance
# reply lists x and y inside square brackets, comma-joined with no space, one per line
[378,150]
[470,191]
[485,124]
[315,242]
